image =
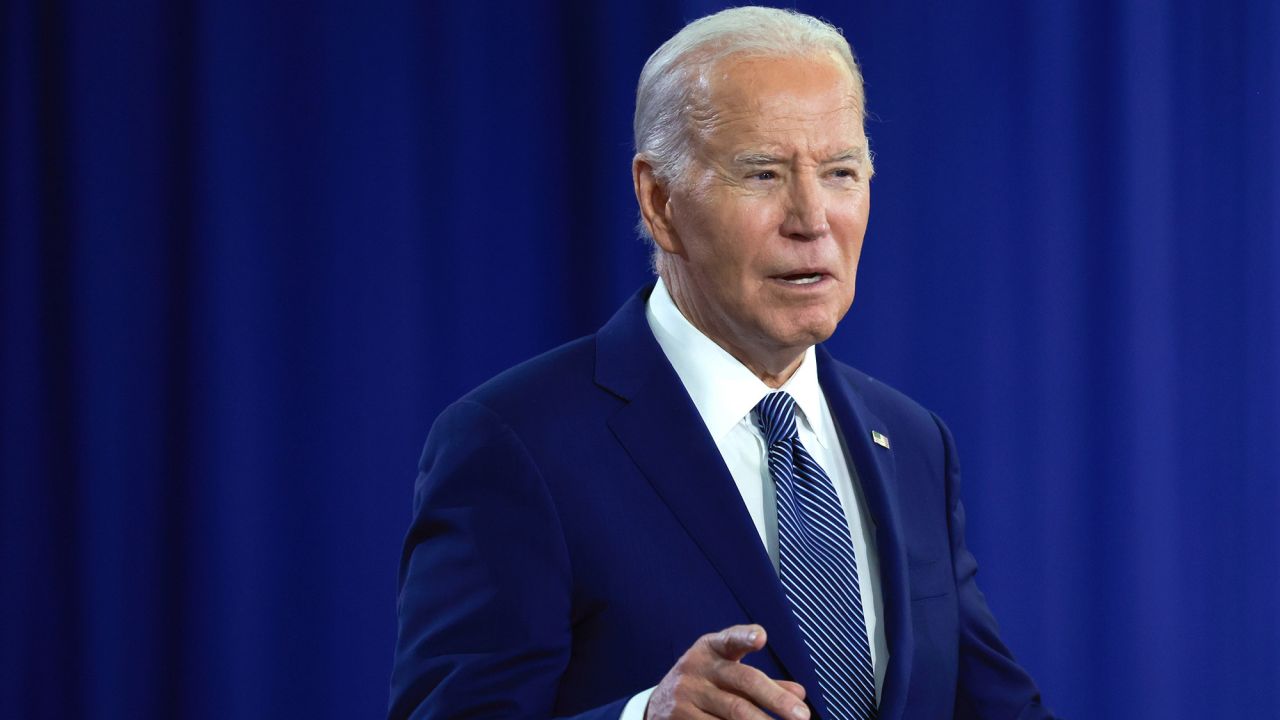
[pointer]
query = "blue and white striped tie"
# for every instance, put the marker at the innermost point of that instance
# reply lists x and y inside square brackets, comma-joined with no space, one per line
[817,566]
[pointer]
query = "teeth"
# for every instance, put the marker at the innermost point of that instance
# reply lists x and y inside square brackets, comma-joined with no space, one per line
[807,280]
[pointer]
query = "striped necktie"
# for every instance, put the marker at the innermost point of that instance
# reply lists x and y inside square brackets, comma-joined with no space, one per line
[817,566]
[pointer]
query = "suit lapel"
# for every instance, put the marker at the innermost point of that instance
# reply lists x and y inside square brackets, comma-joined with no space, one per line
[876,473]
[662,432]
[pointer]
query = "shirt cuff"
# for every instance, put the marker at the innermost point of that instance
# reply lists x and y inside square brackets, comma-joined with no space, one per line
[635,707]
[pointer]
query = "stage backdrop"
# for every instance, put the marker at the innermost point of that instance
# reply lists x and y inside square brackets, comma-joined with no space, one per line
[251,249]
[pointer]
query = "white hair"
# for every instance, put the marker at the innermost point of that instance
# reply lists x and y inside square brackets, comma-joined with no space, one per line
[673,82]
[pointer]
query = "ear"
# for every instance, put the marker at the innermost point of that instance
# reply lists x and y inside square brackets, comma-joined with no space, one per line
[655,205]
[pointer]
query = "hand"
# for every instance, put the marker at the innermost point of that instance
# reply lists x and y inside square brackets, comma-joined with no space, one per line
[709,680]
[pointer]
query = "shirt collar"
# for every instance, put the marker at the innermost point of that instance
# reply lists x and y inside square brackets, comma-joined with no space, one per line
[723,390]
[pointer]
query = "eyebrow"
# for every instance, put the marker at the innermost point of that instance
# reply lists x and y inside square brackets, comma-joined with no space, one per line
[757,158]
[855,154]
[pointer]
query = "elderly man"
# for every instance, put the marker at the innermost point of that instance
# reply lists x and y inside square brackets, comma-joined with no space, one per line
[697,511]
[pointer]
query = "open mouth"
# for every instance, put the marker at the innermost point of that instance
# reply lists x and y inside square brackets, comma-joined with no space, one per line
[801,278]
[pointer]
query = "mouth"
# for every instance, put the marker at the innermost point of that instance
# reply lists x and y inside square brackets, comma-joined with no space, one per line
[802,278]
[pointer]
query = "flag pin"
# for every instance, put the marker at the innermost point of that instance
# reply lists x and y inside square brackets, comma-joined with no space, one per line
[880,439]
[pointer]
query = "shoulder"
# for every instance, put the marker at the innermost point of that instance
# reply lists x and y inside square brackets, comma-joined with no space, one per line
[884,400]
[538,383]
[913,429]
[538,400]
[494,431]
[556,374]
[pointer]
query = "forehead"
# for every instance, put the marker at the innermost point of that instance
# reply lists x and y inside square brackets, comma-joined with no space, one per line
[780,100]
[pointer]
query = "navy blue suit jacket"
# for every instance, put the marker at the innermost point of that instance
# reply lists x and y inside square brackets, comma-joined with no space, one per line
[575,530]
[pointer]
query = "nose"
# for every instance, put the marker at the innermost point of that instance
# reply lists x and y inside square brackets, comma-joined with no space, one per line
[806,210]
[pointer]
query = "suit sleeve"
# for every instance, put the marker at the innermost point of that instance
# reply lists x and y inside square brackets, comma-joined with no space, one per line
[990,685]
[485,581]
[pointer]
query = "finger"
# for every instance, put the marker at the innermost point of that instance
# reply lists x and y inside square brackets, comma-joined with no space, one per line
[730,706]
[794,688]
[734,643]
[761,691]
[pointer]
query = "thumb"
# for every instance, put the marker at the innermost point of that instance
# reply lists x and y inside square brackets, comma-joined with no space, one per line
[733,643]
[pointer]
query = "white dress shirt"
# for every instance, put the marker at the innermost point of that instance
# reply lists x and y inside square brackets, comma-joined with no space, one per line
[725,392]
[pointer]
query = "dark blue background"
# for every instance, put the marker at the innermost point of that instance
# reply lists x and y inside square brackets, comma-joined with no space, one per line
[251,249]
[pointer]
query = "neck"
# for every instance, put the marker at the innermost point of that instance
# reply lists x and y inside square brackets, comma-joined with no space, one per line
[774,366]
[774,379]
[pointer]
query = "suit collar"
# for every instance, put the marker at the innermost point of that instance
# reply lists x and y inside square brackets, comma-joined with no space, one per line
[626,353]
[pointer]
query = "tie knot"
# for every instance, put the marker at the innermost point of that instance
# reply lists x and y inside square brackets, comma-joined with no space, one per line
[776,417]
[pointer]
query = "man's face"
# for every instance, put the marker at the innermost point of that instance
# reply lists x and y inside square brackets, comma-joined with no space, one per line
[765,228]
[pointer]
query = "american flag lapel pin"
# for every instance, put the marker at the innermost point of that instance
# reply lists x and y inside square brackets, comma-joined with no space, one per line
[880,439]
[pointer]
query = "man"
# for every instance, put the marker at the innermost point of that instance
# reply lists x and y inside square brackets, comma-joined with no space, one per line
[697,511]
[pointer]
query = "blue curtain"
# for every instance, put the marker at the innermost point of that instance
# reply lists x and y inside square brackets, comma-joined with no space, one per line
[251,249]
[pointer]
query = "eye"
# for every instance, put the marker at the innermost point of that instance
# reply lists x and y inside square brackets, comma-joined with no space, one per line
[765,175]
[844,173]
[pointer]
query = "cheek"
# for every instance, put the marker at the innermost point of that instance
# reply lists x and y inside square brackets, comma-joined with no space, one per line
[855,251]
[852,227]
[855,211]
[739,240]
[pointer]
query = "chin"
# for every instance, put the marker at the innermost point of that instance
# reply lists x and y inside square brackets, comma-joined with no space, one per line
[814,328]
[803,337]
